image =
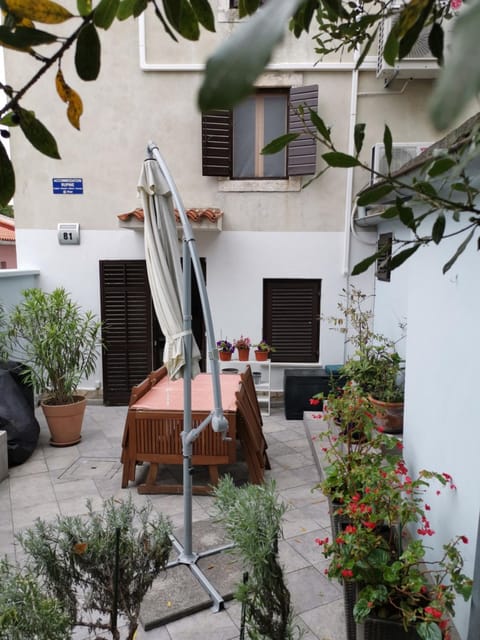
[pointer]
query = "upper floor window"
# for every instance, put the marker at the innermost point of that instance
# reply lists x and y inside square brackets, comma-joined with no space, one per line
[232,140]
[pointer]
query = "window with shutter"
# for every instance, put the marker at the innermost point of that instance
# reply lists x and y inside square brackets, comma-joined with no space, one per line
[232,141]
[291,318]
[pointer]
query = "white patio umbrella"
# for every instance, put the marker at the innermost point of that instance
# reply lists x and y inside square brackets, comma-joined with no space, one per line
[171,293]
[163,267]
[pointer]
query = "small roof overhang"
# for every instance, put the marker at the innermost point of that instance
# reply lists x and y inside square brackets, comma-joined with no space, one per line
[203,219]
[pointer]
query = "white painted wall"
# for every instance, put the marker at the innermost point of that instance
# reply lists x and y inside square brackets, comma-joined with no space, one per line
[237,262]
[441,429]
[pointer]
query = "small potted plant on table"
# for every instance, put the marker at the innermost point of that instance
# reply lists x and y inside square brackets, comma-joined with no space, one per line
[225,350]
[57,343]
[243,345]
[263,351]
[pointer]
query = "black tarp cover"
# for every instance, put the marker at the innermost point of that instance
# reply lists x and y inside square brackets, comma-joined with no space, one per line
[17,415]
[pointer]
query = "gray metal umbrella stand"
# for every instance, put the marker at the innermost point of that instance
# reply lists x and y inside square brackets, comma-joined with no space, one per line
[216,419]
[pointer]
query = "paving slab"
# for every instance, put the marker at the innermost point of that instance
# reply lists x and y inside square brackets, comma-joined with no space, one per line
[178,592]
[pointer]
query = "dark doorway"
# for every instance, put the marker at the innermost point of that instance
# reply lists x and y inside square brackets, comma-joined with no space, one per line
[133,339]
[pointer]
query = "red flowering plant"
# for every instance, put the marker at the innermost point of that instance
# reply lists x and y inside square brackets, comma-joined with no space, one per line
[353,449]
[394,578]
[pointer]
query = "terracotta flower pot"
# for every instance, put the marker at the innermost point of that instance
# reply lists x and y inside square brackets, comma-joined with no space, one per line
[389,415]
[65,421]
[243,354]
[225,356]
[261,356]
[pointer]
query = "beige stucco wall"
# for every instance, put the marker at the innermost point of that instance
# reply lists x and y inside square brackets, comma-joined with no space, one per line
[126,107]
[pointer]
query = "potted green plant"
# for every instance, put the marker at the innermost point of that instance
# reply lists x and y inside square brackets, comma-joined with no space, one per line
[377,369]
[263,350]
[400,591]
[243,345]
[225,350]
[58,344]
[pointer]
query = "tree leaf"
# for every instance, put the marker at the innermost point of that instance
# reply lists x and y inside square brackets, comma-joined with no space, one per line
[105,13]
[374,194]
[459,80]
[7,177]
[435,41]
[182,18]
[67,94]
[279,143]
[359,136]
[391,212]
[406,216]
[88,53]
[234,67]
[125,9]
[44,11]
[425,188]
[390,50]
[204,14]
[440,166]
[400,257]
[388,144]
[429,631]
[438,228]
[24,37]
[84,7]
[339,159]
[460,249]
[37,134]
[319,125]
[363,265]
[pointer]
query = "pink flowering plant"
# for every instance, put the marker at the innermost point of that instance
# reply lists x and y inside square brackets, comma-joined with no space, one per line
[242,343]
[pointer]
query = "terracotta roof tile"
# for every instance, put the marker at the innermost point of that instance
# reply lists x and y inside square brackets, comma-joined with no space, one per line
[194,214]
[7,230]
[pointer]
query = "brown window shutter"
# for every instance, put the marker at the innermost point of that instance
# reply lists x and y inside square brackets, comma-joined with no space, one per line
[291,319]
[127,332]
[302,152]
[217,143]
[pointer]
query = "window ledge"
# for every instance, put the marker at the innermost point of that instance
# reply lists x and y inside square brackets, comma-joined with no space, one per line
[291,184]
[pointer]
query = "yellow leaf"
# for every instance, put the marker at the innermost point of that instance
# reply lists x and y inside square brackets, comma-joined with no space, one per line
[75,109]
[62,87]
[45,11]
[67,94]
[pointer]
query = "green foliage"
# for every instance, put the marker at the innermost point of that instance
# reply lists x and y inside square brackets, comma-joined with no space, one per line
[26,612]
[75,557]
[395,578]
[55,340]
[252,517]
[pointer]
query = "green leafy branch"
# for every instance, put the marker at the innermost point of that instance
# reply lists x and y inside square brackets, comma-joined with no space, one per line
[445,170]
[20,34]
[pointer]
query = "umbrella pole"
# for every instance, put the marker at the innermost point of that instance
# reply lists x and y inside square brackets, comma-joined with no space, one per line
[217,419]
[186,554]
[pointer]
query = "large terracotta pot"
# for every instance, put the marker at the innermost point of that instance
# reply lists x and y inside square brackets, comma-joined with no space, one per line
[389,415]
[243,354]
[65,421]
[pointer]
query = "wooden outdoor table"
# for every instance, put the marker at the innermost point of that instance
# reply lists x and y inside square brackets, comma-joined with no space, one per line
[155,421]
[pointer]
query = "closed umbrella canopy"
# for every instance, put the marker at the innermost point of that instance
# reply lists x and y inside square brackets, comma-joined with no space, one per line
[163,267]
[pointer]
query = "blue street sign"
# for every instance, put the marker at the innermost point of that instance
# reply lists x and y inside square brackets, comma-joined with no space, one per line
[67,185]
